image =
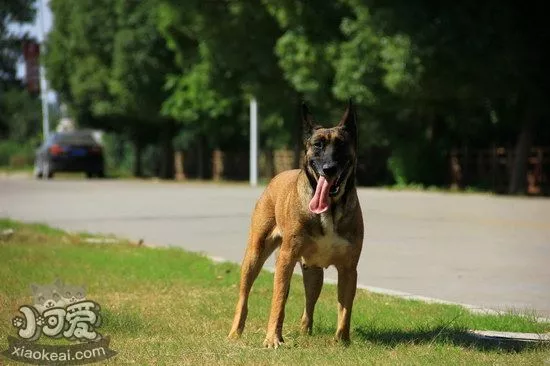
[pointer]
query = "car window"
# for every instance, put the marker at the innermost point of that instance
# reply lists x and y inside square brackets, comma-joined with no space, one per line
[74,138]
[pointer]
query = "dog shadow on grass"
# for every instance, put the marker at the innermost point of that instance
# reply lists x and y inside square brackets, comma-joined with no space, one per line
[441,335]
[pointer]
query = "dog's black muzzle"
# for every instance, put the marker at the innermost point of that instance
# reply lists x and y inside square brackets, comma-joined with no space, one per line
[332,173]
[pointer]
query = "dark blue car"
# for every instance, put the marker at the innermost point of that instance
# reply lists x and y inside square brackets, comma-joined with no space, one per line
[76,151]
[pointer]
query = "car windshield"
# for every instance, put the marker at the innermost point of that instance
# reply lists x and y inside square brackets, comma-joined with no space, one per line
[74,138]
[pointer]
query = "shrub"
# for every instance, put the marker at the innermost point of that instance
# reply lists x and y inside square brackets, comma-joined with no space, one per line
[16,154]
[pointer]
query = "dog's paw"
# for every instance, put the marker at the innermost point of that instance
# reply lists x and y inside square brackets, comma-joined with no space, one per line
[273,341]
[342,338]
[234,335]
[305,329]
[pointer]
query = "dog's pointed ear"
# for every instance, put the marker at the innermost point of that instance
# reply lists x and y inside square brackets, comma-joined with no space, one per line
[307,121]
[349,119]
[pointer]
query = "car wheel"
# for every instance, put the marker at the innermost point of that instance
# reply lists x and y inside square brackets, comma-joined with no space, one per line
[101,174]
[46,171]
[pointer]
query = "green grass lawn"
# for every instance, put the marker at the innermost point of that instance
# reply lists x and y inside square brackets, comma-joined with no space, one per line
[168,306]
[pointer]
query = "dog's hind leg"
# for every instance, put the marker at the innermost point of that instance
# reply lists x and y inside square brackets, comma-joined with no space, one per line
[313,283]
[260,246]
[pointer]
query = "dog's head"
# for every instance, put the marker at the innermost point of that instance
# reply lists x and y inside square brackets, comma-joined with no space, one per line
[330,157]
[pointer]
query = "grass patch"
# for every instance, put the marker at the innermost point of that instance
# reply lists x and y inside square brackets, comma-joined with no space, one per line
[168,306]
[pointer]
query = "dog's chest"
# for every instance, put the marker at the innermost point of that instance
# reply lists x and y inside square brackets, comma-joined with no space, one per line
[326,249]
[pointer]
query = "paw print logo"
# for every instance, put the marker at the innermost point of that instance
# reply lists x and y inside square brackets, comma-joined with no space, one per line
[18,322]
[40,321]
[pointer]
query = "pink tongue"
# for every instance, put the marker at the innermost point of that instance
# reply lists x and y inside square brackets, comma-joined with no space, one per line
[319,203]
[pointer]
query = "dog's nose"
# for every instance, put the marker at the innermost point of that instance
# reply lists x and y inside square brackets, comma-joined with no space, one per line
[329,170]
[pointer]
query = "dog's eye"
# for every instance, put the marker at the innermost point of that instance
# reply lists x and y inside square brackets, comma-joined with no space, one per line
[318,144]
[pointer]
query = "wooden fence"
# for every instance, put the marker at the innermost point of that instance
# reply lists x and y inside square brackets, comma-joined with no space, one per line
[492,168]
[489,169]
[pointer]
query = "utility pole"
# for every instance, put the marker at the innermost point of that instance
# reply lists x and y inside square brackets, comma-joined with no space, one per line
[253,142]
[43,82]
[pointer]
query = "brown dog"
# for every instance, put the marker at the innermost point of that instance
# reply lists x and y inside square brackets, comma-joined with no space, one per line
[313,215]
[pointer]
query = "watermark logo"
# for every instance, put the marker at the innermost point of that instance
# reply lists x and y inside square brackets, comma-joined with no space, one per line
[59,311]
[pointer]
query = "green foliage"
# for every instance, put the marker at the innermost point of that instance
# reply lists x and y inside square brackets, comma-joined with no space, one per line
[140,61]
[18,110]
[302,62]
[118,155]
[78,61]
[194,94]
[425,77]
[14,154]
[110,64]
[221,67]
[21,114]
[118,62]
[12,11]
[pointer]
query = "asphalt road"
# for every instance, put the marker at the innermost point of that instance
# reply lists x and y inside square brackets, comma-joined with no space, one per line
[475,249]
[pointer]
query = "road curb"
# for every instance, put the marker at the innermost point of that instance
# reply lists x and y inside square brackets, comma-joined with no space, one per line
[408,296]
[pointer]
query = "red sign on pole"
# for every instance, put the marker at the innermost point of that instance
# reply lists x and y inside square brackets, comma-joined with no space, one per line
[31,53]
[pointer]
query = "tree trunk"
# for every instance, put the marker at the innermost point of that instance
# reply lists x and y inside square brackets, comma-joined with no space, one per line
[270,163]
[518,179]
[179,170]
[203,158]
[166,154]
[119,150]
[200,158]
[138,167]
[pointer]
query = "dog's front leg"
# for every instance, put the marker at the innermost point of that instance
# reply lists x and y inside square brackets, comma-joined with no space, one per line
[281,286]
[347,285]
[313,283]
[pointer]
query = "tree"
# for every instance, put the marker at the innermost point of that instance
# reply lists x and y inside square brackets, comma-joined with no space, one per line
[11,44]
[21,114]
[221,67]
[78,62]
[141,61]
[489,56]
[109,63]
[425,77]
[12,11]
